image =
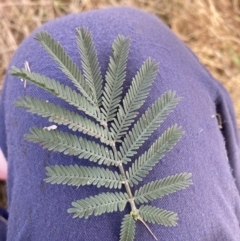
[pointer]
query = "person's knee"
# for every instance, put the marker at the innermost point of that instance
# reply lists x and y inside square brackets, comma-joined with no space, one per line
[179,70]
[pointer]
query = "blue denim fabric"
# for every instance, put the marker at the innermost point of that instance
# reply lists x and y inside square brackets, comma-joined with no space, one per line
[208,210]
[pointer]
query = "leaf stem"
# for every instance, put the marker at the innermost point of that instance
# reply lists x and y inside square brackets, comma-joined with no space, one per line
[128,189]
[126,184]
[147,227]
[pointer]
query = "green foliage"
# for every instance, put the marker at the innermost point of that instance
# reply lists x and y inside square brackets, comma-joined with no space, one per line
[110,119]
[70,144]
[65,63]
[144,164]
[59,90]
[128,227]
[90,64]
[99,204]
[75,175]
[134,99]
[62,116]
[147,124]
[156,215]
[162,187]
[115,77]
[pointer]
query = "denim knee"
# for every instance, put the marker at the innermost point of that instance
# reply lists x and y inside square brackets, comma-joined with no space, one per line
[208,210]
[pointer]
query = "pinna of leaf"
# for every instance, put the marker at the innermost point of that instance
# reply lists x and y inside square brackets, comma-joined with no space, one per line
[119,134]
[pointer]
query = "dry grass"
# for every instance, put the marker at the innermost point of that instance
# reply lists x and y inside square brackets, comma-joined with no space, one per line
[209,27]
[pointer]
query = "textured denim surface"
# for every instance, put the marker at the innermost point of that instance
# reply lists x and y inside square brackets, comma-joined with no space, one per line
[208,210]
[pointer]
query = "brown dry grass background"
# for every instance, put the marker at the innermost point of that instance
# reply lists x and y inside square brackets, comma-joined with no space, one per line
[211,28]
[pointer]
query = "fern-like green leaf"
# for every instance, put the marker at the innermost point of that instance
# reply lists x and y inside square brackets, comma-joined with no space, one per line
[156,215]
[65,63]
[162,187]
[75,175]
[145,163]
[62,116]
[128,227]
[62,91]
[69,144]
[90,65]
[115,77]
[106,115]
[147,124]
[134,98]
[99,204]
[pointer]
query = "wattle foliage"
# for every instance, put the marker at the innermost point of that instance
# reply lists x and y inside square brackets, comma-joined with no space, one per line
[114,115]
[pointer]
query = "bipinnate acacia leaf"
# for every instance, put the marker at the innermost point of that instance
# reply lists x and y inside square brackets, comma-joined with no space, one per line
[65,63]
[99,204]
[90,65]
[157,215]
[128,227]
[63,116]
[146,162]
[147,124]
[74,175]
[115,77]
[70,144]
[108,117]
[162,187]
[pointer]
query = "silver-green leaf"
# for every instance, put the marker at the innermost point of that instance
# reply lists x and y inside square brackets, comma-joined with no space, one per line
[115,77]
[63,116]
[128,227]
[62,91]
[157,215]
[162,187]
[111,119]
[99,204]
[70,144]
[75,175]
[134,98]
[146,162]
[147,124]
[65,63]
[90,65]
